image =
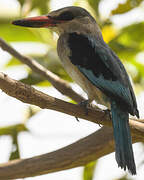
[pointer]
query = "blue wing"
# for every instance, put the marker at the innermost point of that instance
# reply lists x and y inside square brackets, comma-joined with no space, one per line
[103,68]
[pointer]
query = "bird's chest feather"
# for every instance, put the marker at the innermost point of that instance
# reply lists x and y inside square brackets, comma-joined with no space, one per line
[92,91]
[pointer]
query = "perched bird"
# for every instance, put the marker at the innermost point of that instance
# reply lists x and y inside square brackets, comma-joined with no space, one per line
[96,68]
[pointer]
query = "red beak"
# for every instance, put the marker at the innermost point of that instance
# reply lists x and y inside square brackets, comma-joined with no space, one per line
[36,22]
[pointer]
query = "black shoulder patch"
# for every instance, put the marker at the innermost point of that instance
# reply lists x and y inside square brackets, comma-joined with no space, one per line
[84,53]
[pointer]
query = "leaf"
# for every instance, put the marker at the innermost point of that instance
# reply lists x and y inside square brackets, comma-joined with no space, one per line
[44,83]
[88,172]
[125,177]
[53,64]
[8,130]
[15,154]
[127,6]
[30,112]
[129,41]
[10,32]
[109,33]
[13,131]
[33,79]
[21,2]
[13,62]
[124,52]
[46,35]
[94,5]
[140,68]
[42,5]
[72,101]
[132,34]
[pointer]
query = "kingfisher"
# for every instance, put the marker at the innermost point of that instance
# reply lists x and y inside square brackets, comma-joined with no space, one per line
[94,66]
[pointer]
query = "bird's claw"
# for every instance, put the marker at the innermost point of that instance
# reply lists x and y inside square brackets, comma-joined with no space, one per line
[107,112]
[84,104]
[77,119]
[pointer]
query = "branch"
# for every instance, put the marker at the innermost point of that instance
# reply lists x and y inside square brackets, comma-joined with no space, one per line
[80,153]
[60,84]
[30,95]
[77,154]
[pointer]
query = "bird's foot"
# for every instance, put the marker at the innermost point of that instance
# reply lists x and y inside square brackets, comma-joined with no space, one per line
[85,105]
[107,112]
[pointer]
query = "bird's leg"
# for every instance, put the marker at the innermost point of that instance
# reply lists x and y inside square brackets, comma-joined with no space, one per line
[85,104]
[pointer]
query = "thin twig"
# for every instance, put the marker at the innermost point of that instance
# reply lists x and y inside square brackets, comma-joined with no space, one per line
[60,84]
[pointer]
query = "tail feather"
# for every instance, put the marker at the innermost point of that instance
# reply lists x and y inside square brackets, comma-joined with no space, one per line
[123,144]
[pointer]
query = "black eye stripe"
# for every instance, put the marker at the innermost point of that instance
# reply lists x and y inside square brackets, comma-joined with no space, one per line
[65,16]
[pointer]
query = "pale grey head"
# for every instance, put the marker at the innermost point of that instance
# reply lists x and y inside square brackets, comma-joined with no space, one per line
[67,19]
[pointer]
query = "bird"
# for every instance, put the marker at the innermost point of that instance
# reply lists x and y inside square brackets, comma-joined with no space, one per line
[95,67]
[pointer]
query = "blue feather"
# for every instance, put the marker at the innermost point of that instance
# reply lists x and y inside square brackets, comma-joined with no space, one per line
[113,87]
[123,144]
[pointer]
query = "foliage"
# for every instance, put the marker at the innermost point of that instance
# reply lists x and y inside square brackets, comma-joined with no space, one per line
[127,42]
[89,171]
[127,6]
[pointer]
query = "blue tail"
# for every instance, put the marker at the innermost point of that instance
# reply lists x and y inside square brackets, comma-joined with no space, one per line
[123,144]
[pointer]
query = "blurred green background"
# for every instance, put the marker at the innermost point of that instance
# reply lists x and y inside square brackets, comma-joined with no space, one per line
[122,25]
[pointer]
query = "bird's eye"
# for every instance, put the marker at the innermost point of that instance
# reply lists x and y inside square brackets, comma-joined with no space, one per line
[66,16]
